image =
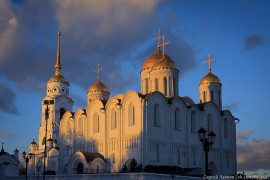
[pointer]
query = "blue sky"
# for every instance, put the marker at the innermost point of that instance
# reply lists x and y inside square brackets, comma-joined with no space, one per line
[120,35]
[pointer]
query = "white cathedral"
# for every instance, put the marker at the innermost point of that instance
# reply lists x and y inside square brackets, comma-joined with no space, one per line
[155,126]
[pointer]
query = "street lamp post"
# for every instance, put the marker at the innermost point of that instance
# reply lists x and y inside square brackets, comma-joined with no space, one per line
[26,157]
[207,143]
[38,168]
[47,103]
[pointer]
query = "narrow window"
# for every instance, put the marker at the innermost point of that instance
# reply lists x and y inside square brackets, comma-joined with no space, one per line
[156,84]
[174,87]
[219,99]
[131,115]
[165,86]
[193,122]
[177,120]
[146,85]
[113,119]
[96,123]
[212,96]
[156,115]
[226,129]
[204,96]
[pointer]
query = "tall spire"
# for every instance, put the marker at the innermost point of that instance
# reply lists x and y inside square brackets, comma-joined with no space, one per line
[58,64]
[209,60]
[98,71]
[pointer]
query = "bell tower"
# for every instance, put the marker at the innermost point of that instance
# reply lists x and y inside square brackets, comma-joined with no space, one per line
[57,92]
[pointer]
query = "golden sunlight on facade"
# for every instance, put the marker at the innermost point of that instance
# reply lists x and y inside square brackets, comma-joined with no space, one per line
[155,126]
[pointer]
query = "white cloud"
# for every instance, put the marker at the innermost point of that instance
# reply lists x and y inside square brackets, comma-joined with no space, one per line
[252,154]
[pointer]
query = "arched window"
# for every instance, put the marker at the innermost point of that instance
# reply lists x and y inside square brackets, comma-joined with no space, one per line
[62,112]
[68,130]
[226,128]
[174,87]
[204,96]
[80,126]
[131,115]
[219,99]
[156,115]
[210,122]
[96,123]
[212,95]
[113,158]
[177,119]
[193,122]
[165,86]
[156,84]
[146,85]
[113,119]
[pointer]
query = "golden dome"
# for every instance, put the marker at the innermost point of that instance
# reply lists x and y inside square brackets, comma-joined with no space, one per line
[98,86]
[158,60]
[58,78]
[210,78]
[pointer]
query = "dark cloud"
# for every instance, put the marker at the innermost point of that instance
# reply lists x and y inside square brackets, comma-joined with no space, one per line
[7,100]
[254,41]
[117,35]
[252,154]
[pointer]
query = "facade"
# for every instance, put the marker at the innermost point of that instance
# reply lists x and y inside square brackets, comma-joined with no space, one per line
[155,126]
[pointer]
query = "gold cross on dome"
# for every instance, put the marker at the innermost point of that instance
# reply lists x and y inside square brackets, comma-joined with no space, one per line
[209,60]
[158,38]
[98,71]
[163,44]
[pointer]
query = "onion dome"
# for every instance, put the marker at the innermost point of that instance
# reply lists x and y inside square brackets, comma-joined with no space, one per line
[98,86]
[165,62]
[57,77]
[209,78]
[158,60]
[33,142]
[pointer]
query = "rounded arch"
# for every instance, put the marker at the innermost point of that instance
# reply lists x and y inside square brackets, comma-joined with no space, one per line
[76,159]
[80,168]
[130,94]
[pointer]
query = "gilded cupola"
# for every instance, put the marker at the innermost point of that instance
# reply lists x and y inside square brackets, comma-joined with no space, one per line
[159,72]
[210,87]
[98,90]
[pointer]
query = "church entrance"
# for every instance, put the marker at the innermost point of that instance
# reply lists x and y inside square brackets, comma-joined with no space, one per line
[80,168]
